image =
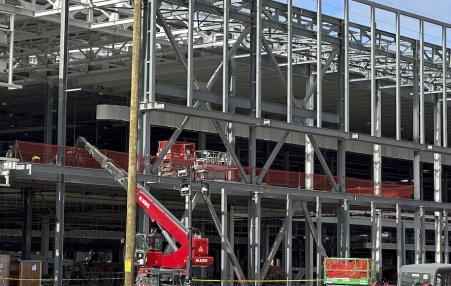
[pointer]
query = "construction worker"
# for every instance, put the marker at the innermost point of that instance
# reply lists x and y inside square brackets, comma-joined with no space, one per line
[154,240]
[10,152]
[35,159]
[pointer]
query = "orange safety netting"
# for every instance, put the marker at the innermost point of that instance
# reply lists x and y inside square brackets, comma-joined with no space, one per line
[74,156]
[182,155]
[347,268]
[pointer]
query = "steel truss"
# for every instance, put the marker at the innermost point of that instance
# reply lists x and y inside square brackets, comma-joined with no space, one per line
[294,41]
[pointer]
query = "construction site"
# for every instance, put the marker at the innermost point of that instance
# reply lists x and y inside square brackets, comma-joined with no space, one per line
[223,142]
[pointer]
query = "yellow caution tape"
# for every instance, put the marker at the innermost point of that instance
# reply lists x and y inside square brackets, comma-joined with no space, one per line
[65,279]
[256,281]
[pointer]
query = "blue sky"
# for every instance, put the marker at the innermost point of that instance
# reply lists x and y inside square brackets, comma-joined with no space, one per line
[359,13]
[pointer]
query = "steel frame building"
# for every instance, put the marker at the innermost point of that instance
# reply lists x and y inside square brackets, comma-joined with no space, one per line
[275,40]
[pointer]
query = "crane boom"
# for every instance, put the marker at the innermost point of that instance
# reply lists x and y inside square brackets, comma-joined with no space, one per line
[158,213]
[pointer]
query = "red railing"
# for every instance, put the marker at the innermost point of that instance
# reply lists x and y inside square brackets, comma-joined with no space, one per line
[78,157]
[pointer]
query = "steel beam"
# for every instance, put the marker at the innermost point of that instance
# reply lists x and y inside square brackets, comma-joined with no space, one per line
[214,77]
[313,230]
[323,163]
[229,147]
[314,84]
[278,240]
[271,157]
[236,265]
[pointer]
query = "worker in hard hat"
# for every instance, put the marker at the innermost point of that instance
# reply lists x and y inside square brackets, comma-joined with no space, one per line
[35,159]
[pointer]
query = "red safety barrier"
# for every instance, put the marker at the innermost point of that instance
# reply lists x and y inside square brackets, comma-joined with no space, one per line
[347,268]
[182,155]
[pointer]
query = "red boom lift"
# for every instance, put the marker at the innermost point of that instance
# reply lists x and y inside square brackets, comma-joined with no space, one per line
[157,263]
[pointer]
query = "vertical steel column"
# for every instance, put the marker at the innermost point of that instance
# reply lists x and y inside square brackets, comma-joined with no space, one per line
[419,237]
[231,236]
[152,39]
[60,185]
[290,62]
[399,240]
[346,65]
[444,95]
[319,235]
[190,70]
[438,179]
[224,255]
[376,237]
[373,71]
[11,48]
[225,51]
[309,254]
[446,236]
[309,151]
[421,81]
[417,177]
[375,109]
[257,236]
[251,239]
[48,132]
[26,223]
[378,245]
[398,76]
[319,65]
[289,242]
[144,117]
[258,60]
[45,241]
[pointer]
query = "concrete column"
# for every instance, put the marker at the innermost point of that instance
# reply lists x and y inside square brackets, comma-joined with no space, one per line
[45,241]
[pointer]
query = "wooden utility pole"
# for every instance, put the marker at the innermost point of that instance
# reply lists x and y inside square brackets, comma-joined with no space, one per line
[130,230]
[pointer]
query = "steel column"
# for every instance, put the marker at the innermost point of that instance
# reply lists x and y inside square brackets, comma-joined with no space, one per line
[27,208]
[446,236]
[231,238]
[289,242]
[399,240]
[45,241]
[190,64]
[309,152]
[319,244]
[290,62]
[373,71]
[224,256]
[11,48]
[346,65]
[225,52]
[61,135]
[256,200]
[258,59]
[421,81]
[444,94]
[398,76]
[309,253]
[438,179]
[319,65]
